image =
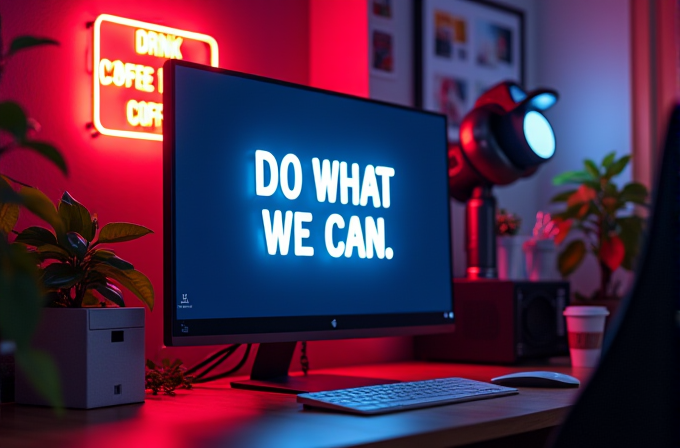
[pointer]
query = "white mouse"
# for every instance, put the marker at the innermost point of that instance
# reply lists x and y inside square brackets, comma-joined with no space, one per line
[537,379]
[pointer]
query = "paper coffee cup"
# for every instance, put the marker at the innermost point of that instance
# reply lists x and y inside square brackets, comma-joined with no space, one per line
[585,326]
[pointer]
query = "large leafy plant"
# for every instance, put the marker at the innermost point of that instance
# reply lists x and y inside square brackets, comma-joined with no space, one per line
[21,296]
[594,209]
[77,271]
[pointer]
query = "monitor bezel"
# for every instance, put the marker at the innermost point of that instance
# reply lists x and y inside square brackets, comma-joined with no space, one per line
[396,325]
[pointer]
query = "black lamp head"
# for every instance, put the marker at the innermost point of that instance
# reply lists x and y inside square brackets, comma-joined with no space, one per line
[505,137]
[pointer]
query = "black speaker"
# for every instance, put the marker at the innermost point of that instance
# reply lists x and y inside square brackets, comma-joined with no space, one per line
[500,321]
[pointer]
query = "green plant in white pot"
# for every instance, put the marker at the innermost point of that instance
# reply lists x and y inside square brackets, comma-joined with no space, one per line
[97,343]
[78,271]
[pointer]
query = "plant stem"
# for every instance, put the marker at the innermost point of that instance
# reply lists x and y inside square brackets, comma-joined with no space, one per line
[605,280]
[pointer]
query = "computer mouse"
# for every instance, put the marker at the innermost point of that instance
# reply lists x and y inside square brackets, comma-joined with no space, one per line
[537,379]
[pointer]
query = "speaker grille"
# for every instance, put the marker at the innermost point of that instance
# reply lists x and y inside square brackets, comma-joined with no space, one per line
[540,319]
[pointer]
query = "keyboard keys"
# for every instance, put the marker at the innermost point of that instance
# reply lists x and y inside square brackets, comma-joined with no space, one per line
[399,396]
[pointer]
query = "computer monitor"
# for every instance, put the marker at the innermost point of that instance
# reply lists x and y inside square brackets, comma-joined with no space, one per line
[294,214]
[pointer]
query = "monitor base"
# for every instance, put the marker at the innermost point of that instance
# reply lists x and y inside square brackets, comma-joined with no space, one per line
[270,373]
[309,383]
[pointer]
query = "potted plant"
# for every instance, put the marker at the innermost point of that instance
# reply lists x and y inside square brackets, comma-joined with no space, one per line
[21,297]
[595,209]
[509,246]
[97,343]
[539,250]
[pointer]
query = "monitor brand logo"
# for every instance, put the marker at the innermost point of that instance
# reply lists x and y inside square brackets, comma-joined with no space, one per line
[334,323]
[372,188]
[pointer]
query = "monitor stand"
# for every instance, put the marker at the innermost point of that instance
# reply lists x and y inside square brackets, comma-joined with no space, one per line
[270,373]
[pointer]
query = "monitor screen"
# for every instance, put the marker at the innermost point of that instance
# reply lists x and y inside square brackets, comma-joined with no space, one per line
[296,213]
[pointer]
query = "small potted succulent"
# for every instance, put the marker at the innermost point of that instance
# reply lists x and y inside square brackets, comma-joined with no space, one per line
[509,246]
[601,214]
[97,343]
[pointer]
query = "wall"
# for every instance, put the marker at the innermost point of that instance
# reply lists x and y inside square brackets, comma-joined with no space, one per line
[520,197]
[584,52]
[338,50]
[120,179]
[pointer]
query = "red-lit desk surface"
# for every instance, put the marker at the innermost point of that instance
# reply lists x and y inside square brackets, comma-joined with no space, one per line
[214,415]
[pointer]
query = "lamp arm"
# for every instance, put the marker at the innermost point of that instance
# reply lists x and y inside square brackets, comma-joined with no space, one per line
[480,233]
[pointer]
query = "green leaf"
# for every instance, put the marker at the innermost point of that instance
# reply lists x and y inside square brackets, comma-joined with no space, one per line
[562,197]
[631,229]
[25,42]
[635,188]
[13,119]
[76,217]
[53,299]
[44,256]
[36,236]
[42,374]
[571,257]
[90,300]
[135,281]
[21,297]
[48,151]
[110,258]
[61,276]
[616,167]
[591,168]
[117,232]
[77,244]
[41,206]
[634,192]
[572,177]
[608,159]
[574,212]
[110,292]
[51,251]
[7,193]
[9,215]
[20,303]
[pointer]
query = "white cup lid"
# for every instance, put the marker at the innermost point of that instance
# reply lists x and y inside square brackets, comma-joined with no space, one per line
[586,311]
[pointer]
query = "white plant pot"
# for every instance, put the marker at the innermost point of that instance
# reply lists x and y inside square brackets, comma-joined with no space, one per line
[510,257]
[541,260]
[99,353]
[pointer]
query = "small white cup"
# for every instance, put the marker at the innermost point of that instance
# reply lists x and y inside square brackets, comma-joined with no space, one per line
[585,326]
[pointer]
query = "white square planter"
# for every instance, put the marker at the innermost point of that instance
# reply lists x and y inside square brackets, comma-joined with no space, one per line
[99,353]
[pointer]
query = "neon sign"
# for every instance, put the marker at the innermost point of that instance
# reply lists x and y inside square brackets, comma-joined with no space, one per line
[128,73]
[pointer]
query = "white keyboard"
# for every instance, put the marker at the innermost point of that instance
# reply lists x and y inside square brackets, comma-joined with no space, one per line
[402,396]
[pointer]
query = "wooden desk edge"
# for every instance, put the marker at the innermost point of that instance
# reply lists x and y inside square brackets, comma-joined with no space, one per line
[482,432]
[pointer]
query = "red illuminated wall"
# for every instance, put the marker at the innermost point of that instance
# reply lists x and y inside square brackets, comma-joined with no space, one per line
[121,179]
[338,46]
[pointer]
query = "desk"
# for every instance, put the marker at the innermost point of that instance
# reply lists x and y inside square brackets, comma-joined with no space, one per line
[214,415]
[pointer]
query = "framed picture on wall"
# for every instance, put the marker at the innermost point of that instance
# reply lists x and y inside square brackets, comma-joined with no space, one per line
[462,48]
[383,39]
